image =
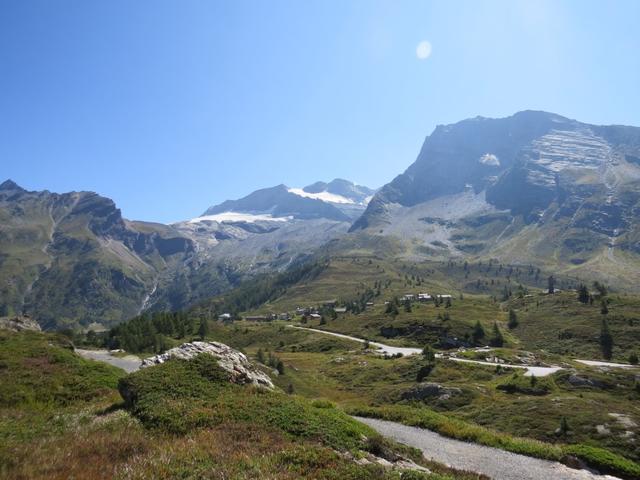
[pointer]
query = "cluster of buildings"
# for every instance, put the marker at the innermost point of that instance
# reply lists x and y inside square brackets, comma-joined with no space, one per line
[314,312]
[227,317]
[425,297]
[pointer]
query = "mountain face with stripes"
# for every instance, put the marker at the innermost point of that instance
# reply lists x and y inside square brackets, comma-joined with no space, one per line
[535,187]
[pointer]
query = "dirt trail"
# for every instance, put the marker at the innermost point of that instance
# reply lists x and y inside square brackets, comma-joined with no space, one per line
[389,350]
[129,363]
[495,463]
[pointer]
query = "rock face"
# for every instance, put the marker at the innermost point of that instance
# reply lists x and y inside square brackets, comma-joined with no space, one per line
[520,189]
[78,258]
[427,390]
[241,370]
[18,324]
[579,381]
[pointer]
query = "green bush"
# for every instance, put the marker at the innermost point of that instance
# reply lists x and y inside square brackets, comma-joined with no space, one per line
[42,369]
[178,396]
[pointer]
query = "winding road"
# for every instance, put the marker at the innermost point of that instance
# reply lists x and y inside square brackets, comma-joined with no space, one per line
[389,350]
[379,347]
[495,463]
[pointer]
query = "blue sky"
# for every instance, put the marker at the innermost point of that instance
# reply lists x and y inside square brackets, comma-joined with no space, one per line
[171,106]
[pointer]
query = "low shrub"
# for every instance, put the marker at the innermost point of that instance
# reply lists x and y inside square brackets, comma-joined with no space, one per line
[178,396]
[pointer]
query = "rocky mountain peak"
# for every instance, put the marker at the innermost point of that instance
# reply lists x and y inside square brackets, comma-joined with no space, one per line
[10,186]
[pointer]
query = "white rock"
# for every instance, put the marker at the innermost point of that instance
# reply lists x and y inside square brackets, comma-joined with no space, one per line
[241,370]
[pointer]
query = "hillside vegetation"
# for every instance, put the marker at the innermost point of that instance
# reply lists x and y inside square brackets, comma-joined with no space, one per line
[61,417]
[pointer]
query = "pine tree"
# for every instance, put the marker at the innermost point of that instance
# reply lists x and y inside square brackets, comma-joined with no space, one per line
[203,331]
[513,319]
[497,340]
[478,332]
[428,354]
[551,284]
[290,389]
[583,294]
[633,358]
[407,305]
[260,356]
[604,309]
[280,367]
[606,340]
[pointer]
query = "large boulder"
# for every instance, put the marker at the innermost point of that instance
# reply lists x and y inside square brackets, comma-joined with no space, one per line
[581,381]
[429,390]
[240,369]
[19,323]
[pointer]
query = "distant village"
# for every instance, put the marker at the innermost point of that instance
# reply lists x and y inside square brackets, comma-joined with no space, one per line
[333,308]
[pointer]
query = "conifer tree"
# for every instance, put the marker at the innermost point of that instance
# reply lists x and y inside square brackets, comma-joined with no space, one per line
[203,331]
[497,340]
[551,284]
[478,332]
[606,340]
[583,294]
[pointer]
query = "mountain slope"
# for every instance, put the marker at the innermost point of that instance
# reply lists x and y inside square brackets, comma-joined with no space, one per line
[71,260]
[531,188]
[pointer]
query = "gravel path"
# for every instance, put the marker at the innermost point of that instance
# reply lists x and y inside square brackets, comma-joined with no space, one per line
[379,347]
[594,363]
[495,463]
[389,350]
[129,363]
[530,370]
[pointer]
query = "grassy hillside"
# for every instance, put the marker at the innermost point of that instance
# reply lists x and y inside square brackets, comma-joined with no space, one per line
[61,417]
[561,324]
[500,402]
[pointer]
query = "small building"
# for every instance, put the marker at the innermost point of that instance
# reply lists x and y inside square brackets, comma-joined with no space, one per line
[256,318]
[444,297]
[284,316]
[225,317]
[409,296]
[329,303]
[424,297]
[340,309]
[315,316]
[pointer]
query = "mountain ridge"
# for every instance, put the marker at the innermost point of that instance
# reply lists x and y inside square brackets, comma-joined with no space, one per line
[72,260]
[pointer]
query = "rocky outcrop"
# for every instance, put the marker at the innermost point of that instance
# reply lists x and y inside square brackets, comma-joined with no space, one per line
[18,324]
[429,390]
[240,369]
[581,381]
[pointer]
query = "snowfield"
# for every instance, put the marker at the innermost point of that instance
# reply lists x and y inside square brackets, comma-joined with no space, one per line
[324,196]
[240,217]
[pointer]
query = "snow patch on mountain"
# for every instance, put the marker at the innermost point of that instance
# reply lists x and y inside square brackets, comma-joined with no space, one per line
[324,196]
[490,159]
[239,217]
